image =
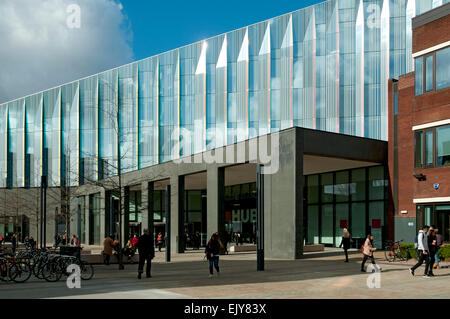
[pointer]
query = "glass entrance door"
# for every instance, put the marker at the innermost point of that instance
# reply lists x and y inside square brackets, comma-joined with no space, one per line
[443,221]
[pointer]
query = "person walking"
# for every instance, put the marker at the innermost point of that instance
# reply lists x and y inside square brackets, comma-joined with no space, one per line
[368,250]
[422,247]
[212,252]
[159,241]
[439,242]
[146,250]
[57,240]
[345,243]
[108,246]
[14,243]
[32,243]
[432,247]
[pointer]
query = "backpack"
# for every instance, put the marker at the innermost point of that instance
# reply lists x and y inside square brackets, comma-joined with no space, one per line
[416,241]
[362,249]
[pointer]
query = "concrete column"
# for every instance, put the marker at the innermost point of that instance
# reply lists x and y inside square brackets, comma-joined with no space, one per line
[74,217]
[174,214]
[144,206]
[102,213]
[86,217]
[126,214]
[283,199]
[215,188]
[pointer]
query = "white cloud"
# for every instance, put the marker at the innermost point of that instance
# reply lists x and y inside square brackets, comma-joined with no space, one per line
[39,51]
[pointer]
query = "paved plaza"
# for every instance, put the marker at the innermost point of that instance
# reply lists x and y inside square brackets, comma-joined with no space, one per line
[320,276]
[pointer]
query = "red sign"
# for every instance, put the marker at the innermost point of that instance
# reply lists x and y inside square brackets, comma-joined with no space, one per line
[228,216]
[343,223]
[376,223]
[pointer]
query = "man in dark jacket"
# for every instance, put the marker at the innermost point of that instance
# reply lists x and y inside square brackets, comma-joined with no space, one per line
[146,250]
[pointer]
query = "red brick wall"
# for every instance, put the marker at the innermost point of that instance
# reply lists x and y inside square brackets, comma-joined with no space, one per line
[412,110]
[431,34]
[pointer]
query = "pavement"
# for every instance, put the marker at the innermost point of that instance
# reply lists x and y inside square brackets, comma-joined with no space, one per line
[323,275]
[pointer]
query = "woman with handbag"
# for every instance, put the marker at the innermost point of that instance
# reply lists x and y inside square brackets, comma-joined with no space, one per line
[368,250]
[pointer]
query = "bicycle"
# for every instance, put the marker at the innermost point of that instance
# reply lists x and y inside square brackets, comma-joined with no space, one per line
[394,250]
[56,266]
[15,269]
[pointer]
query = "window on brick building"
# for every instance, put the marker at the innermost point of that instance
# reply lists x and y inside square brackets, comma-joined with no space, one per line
[432,71]
[419,76]
[443,146]
[443,69]
[418,147]
[429,73]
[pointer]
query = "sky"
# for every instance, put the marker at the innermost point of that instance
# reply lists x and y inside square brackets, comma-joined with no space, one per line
[46,43]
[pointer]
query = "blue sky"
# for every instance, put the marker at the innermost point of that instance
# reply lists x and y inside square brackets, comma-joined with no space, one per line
[44,51]
[159,26]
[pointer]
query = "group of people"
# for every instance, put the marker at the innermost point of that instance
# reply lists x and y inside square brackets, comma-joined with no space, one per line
[428,243]
[13,238]
[145,246]
[192,240]
[62,240]
[367,248]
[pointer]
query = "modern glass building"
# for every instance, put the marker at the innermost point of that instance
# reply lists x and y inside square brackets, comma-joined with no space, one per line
[323,67]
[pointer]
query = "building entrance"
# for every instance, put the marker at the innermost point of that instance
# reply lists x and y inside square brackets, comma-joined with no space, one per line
[437,215]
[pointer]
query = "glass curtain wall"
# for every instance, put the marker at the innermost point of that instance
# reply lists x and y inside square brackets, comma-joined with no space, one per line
[323,67]
[94,219]
[240,213]
[108,123]
[3,144]
[354,199]
[16,145]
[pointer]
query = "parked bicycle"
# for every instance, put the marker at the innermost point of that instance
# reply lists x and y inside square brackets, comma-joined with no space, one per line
[394,251]
[15,269]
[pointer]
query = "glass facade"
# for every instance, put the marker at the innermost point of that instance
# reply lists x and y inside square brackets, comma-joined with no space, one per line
[323,67]
[354,199]
[240,213]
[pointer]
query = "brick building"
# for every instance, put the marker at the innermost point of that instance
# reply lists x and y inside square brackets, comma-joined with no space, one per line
[419,130]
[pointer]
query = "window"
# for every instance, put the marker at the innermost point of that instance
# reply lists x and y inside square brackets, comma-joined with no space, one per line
[395,103]
[419,76]
[418,147]
[443,69]
[429,148]
[432,72]
[432,147]
[429,75]
[443,146]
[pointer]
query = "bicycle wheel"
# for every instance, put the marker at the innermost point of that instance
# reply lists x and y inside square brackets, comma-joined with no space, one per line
[87,270]
[37,269]
[51,271]
[4,275]
[400,253]
[389,254]
[20,272]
